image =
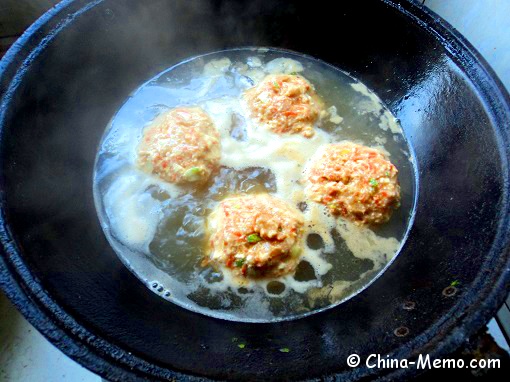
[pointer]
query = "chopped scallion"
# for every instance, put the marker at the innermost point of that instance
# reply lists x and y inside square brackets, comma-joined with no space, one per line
[239,262]
[193,174]
[253,238]
[295,251]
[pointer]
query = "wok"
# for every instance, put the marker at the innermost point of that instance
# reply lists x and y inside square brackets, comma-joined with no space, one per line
[69,73]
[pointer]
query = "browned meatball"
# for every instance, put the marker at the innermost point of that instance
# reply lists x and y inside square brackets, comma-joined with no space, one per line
[285,104]
[355,182]
[181,146]
[256,236]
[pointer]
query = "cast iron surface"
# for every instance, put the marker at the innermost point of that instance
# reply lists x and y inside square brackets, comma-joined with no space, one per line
[66,77]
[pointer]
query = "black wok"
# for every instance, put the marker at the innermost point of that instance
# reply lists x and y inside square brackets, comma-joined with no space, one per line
[68,74]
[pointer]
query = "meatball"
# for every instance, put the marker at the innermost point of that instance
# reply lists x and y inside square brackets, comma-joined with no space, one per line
[284,104]
[255,236]
[355,182]
[181,146]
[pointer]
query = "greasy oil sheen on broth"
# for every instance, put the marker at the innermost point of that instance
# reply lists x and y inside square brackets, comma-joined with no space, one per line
[159,230]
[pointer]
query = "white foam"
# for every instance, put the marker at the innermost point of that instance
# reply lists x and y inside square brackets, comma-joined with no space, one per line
[372,104]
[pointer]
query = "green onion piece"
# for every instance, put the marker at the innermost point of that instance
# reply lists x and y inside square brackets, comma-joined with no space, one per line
[387,173]
[275,84]
[295,251]
[239,263]
[284,350]
[241,346]
[455,283]
[193,174]
[373,182]
[253,238]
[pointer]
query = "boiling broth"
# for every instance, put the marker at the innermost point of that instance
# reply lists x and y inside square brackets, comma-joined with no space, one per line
[159,230]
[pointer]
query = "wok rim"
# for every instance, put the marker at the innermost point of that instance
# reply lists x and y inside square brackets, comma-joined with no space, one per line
[110,361]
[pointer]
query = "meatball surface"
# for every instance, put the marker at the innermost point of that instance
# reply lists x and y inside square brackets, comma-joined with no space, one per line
[256,236]
[284,104]
[354,181]
[181,146]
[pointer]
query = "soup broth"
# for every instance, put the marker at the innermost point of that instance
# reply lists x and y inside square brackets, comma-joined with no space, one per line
[160,230]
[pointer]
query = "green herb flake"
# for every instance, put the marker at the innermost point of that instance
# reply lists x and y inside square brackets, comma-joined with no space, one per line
[276,85]
[295,251]
[387,173]
[253,238]
[284,350]
[239,262]
[241,346]
[455,283]
[193,174]
[373,182]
